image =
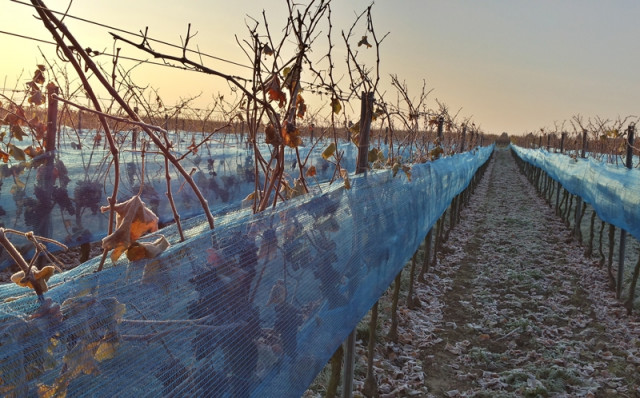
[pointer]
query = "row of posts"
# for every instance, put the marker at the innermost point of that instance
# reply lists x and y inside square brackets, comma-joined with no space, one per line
[578,216]
[366,114]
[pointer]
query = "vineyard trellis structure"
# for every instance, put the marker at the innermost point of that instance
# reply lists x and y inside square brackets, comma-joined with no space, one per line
[309,232]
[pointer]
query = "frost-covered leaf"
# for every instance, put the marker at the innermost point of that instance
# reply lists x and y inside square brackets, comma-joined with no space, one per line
[133,219]
[41,277]
[142,250]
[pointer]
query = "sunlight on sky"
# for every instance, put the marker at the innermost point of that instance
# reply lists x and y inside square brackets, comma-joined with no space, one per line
[512,66]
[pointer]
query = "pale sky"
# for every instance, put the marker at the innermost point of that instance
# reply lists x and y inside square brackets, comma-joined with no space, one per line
[512,65]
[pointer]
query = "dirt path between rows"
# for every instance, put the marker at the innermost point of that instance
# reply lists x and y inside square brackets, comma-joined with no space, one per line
[523,312]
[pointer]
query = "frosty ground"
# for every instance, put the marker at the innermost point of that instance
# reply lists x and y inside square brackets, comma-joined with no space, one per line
[512,308]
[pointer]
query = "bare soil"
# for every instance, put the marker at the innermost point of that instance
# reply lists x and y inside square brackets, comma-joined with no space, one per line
[527,314]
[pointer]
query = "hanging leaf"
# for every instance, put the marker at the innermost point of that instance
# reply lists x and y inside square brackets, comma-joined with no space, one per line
[329,151]
[271,135]
[32,86]
[311,172]
[17,153]
[302,107]
[36,98]
[345,175]
[4,156]
[291,135]
[142,250]
[17,117]
[291,78]
[335,106]
[133,219]
[193,147]
[364,42]
[17,132]
[267,50]
[378,112]
[274,91]
[38,127]
[347,183]
[248,200]
[38,75]
[355,127]
[375,154]
[32,151]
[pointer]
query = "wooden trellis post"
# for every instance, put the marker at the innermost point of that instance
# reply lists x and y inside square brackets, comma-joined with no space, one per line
[44,227]
[548,142]
[578,216]
[366,113]
[464,133]
[558,183]
[584,143]
[440,129]
[623,233]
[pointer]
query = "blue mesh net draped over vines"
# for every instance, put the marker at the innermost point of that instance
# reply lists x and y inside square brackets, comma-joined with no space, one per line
[223,169]
[613,191]
[253,308]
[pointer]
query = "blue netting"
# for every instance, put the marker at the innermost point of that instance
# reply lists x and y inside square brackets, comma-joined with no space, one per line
[255,307]
[223,170]
[612,190]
